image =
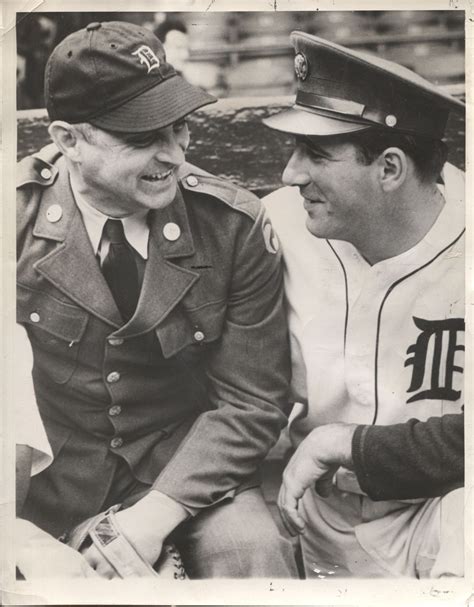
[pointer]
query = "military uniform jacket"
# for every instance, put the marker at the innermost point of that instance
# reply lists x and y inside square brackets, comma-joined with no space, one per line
[190,391]
[374,344]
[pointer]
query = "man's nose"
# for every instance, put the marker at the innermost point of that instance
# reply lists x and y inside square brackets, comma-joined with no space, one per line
[295,172]
[171,150]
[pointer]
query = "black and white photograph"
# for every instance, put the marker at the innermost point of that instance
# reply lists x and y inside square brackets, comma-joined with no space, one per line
[235,352]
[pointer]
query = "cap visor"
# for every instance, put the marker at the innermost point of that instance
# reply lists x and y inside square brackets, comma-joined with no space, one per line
[302,122]
[156,108]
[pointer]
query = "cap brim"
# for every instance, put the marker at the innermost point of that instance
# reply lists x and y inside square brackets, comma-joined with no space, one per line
[158,107]
[302,122]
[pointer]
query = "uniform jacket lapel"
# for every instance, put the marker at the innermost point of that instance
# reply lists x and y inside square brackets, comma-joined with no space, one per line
[165,283]
[72,267]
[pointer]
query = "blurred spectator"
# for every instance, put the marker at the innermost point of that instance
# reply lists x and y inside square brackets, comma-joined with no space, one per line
[153,20]
[36,39]
[23,100]
[208,75]
[174,36]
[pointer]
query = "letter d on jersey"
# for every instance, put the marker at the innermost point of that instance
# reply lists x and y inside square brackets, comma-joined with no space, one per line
[433,359]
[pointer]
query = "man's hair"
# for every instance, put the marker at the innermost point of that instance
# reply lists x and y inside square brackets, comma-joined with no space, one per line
[428,155]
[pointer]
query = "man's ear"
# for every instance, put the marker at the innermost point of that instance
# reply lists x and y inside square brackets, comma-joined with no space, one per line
[67,138]
[392,169]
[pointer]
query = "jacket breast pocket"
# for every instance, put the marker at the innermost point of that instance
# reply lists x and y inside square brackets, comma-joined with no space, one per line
[189,333]
[55,329]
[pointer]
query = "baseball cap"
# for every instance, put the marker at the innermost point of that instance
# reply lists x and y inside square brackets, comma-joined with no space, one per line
[114,75]
[341,91]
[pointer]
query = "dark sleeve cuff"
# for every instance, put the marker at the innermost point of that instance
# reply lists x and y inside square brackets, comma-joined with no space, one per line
[358,459]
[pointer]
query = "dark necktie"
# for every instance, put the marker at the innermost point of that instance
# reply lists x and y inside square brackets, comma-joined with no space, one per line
[120,269]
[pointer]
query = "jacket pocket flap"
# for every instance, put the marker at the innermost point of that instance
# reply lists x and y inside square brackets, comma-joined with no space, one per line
[192,328]
[39,309]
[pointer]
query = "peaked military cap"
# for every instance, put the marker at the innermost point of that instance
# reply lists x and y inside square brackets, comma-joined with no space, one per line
[341,91]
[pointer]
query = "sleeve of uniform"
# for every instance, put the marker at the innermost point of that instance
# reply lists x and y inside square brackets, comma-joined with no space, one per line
[410,460]
[248,379]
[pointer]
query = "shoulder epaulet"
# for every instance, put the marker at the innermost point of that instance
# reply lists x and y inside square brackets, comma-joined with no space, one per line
[38,168]
[195,179]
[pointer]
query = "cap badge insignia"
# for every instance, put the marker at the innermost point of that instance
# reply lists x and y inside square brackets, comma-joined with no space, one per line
[301,66]
[147,57]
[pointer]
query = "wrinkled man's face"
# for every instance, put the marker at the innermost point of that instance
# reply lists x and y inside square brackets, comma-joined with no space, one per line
[132,172]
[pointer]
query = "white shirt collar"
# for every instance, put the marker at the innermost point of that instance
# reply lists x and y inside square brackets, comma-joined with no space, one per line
[135,226]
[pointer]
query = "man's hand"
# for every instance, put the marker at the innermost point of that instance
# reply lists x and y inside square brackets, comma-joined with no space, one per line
[39,555]
[314,463]
[145,525]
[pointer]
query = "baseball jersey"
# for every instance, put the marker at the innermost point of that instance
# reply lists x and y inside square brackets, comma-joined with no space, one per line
[373,344]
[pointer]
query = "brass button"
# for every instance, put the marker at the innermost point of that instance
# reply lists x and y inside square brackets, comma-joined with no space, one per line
[192,180]
[116,442]
[199,336]
[45,173]
[115,410]
[116,341]
[113,377]
[35,317]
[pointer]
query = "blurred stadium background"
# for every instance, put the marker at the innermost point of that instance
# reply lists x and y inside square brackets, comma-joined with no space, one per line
[249,54]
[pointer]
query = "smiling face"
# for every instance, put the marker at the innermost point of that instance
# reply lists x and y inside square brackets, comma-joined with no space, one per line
[340,193]
[122,174]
